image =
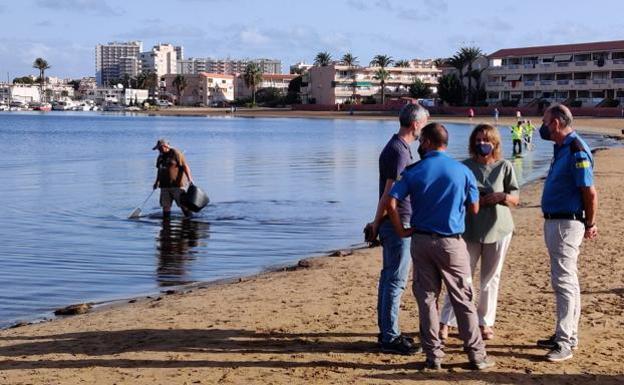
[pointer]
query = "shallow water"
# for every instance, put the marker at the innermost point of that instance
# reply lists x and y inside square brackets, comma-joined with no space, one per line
[280,189]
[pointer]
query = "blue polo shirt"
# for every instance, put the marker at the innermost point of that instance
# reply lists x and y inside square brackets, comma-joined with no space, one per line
[439,187]
[571,168]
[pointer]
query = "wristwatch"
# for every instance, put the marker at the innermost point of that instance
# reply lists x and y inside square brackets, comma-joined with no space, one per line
[589,225]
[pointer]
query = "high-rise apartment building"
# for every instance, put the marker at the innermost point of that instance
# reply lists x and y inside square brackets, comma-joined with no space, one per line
[227,66]
[161,59]
[116,59]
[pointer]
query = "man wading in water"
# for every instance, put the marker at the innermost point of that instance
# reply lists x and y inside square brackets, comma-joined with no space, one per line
[173,176]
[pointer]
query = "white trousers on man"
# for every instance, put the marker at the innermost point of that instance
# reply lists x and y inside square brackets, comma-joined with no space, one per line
[563,240]
[492,256]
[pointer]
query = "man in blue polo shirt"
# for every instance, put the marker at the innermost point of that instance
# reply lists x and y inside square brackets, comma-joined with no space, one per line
[441,189]
[394,158]
[569,204]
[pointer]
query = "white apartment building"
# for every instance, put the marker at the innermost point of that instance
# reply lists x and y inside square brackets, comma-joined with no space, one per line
[162,59]
[300,67]
[203,89]
[226,66]
[583,74]
[114,60]
[336,84]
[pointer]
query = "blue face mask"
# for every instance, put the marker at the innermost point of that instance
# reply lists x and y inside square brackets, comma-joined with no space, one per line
[544,132]
[484,149]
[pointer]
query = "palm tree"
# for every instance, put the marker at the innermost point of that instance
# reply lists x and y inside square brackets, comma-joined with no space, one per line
[470,54]
[252,77]
[402,63]
[381,74]
[41,65]
[349,60]
[322,59]
[458,62]
[179,82]
[148,81]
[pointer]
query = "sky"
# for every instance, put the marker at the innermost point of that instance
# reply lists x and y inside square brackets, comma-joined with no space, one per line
[65,32]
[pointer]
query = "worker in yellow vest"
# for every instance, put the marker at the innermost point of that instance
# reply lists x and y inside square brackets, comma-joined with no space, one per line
[516,136]
[528,134]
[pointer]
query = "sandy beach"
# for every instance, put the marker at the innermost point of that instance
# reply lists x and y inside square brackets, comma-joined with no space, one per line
[316,324]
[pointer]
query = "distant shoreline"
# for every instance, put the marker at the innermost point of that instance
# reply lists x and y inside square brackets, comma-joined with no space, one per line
[611,127]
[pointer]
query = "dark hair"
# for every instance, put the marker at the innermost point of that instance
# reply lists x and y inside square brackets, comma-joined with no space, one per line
[412,113]
[436,134]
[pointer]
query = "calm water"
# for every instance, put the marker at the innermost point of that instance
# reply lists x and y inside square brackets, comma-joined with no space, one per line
[281,189]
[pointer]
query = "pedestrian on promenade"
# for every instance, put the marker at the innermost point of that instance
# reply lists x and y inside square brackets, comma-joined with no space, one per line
[441,190]
[173,177]
[496,113]
[394,158]
[488,233]
[516,137]
[569,204]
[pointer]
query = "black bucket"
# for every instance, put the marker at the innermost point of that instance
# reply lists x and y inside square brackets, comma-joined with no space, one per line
[195,198]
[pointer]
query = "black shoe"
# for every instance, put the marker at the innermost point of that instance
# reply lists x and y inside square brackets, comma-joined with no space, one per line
[433,364]
[482,364]
[551,344]
[400,345]
[548,343]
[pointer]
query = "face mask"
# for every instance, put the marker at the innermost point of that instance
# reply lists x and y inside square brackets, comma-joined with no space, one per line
[484,149]
[544,132]
[421,152]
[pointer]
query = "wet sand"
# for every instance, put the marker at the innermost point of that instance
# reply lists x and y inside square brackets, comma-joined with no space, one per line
[316,324]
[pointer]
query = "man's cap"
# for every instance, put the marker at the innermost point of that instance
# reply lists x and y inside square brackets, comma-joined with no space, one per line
[159,143]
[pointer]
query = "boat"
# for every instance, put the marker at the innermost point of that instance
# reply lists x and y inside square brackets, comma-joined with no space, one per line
[113,107]
[44,107]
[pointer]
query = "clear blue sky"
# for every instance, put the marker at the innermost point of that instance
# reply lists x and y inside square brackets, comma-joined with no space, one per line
[65,32]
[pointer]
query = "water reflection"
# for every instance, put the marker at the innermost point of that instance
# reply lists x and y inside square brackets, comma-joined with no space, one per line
[175,246]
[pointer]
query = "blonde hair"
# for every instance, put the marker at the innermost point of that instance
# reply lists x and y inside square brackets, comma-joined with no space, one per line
[491,134]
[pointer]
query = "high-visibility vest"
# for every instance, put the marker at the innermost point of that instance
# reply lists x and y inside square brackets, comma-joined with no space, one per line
[516,132]
[529,128]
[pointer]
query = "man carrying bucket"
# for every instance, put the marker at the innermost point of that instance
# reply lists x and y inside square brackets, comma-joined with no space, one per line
[173,176]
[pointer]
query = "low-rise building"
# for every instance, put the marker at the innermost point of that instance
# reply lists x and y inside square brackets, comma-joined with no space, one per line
[203,89]
[583,74]
[336,84]
[277,81]
[115,95]
[21,93]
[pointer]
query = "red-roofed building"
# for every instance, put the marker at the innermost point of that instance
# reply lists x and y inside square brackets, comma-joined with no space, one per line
[583,74]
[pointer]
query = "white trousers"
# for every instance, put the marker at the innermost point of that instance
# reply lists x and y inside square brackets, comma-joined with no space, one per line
[492,256]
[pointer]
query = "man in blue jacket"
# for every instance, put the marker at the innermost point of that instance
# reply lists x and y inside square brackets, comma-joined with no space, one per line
[569,204]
